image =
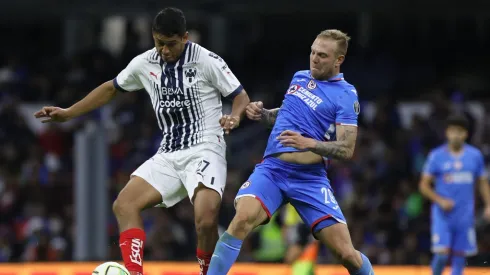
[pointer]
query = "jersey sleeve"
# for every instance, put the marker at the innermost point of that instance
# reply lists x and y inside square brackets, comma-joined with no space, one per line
[127,80]
[481,169]
[430,165]
[220,76]
[348,108]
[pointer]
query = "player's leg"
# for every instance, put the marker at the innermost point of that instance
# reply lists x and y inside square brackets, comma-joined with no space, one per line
[204,174]
[441,240]
[256,201]
[206,208]
[314,200]
[464,245]
[150,184]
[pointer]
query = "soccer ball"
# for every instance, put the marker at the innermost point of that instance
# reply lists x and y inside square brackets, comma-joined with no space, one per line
[110,268]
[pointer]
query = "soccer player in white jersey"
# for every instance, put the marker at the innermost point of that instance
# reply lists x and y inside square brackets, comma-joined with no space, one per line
[185,82]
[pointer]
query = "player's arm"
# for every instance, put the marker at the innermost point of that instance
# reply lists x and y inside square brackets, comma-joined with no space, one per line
[268,117]
[342,148]
[256,111]
[347,112]
[425,184]
[103,94]
[126,81]
[220,76]
[425,188]
[98,97]
[484,190]
[482,175]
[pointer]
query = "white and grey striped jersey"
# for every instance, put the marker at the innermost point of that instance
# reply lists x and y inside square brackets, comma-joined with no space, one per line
[186,95]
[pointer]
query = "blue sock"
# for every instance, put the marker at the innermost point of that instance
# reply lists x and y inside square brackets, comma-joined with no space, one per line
[225,254]
[366,267]
[438,263]
[457,265]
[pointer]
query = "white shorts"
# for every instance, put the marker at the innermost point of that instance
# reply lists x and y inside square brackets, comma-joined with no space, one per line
[176,175]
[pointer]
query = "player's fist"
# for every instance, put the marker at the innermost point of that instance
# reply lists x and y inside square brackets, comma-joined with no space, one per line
[229,123]
[446,204]
[52,114]
[254,110]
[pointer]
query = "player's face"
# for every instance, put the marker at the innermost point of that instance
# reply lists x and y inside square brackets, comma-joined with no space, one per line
[456,135]
[324,61]
[170,47]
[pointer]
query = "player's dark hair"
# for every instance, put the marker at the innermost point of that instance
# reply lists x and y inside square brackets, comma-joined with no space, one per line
[458,120]
[169,22]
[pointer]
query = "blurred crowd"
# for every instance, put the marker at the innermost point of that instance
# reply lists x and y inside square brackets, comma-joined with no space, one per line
[377,189]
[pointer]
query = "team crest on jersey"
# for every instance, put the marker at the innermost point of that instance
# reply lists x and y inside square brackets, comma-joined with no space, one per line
[357,107]
[458,165]
[190,74]
[245,185]
[311,85]
[293,89]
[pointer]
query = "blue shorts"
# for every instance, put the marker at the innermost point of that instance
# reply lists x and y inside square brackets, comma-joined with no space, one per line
[458,238]
[275,182]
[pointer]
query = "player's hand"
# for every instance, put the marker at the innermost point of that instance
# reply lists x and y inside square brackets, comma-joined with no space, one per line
[296,140]
[446,204]
[254,110]
[229,123]
[486,213]
[52,114]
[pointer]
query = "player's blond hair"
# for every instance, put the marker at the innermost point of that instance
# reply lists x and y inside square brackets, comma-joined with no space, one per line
[340,37]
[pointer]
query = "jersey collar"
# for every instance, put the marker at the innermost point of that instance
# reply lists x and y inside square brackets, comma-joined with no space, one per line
[335,78]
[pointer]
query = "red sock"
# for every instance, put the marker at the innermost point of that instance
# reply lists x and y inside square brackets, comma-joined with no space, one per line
[131,244]
[203,258]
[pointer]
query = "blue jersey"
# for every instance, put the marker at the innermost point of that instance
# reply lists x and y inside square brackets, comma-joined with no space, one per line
[455,177]
[312,108]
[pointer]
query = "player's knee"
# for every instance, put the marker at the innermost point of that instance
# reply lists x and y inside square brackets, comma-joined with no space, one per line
[350,257]
[243,223]
[123,208]
[206,222]
[249,214]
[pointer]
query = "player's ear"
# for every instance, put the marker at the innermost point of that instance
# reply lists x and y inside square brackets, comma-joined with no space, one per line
[340,60]
[185,37]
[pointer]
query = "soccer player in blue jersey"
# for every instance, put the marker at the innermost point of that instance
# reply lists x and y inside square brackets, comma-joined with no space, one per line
[454,167]
[317,120]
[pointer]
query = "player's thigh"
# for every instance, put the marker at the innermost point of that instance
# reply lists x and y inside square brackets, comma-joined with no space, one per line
[263,186]
[156,183]
[464,240]
[441,236]
[202,169]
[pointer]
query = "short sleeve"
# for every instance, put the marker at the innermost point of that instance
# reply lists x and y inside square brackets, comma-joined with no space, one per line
[220,76]
[127,80]
[430,165]
[348,108]
[481,169]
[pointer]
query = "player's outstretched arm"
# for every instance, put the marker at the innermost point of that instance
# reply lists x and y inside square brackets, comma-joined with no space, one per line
[95,99]
[342,148]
